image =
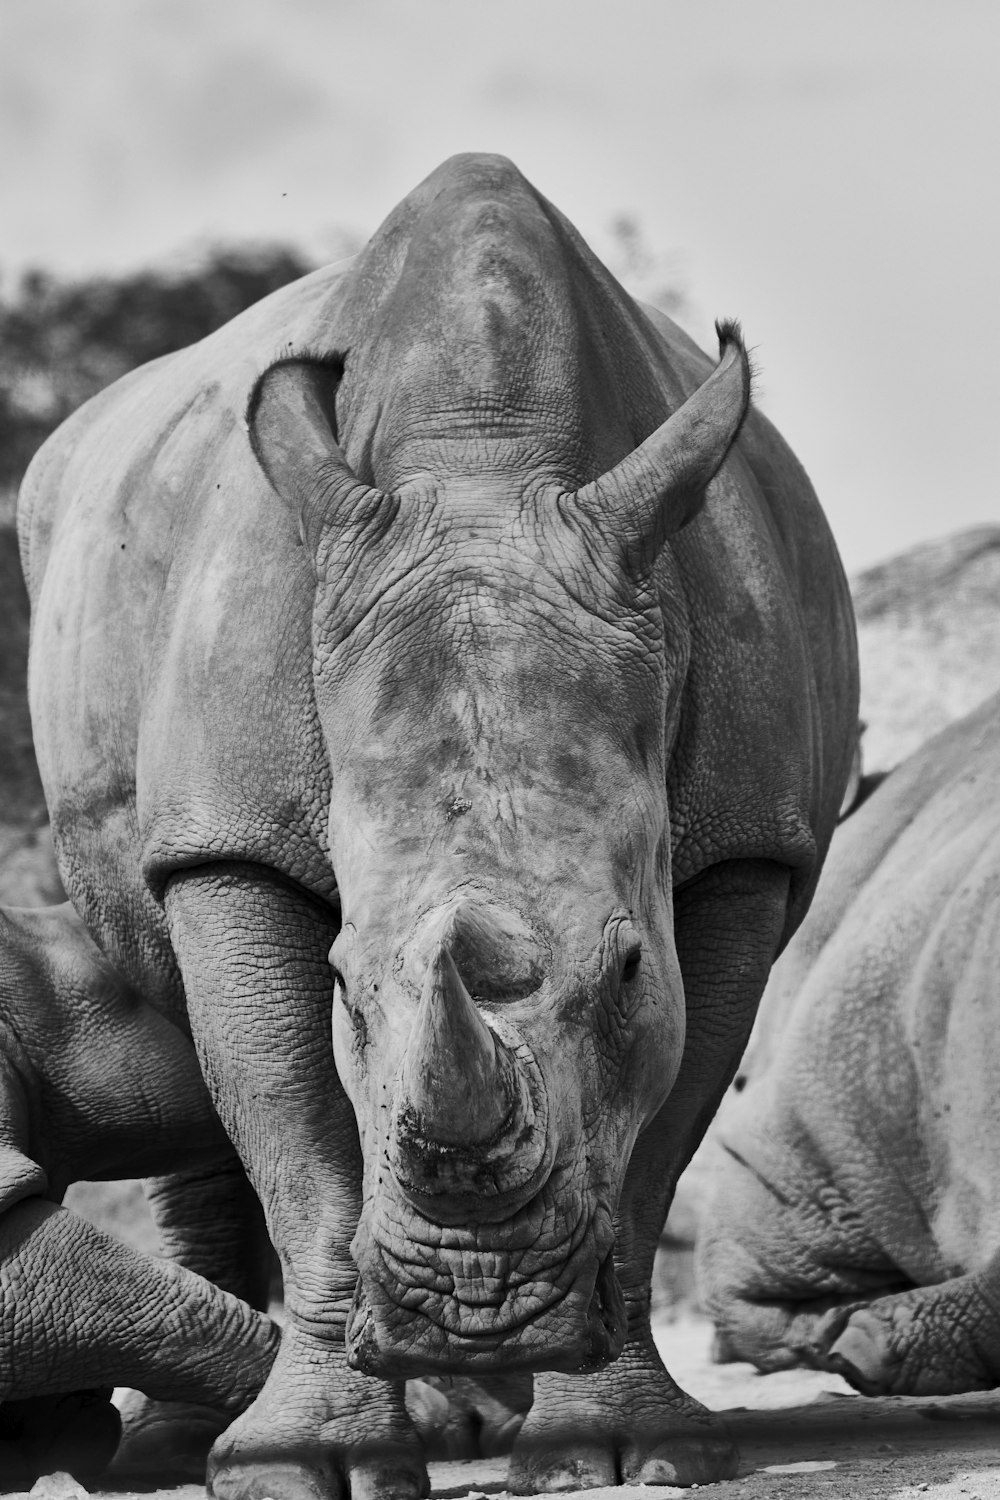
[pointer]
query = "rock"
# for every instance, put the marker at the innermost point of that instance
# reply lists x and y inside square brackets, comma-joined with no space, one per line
[58,1486]
[929,640]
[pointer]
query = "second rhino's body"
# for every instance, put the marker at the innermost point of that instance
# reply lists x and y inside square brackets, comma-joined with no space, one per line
[856,1215]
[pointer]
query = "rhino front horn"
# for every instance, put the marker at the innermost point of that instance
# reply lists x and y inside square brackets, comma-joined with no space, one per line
[466,1120]
[453,1078]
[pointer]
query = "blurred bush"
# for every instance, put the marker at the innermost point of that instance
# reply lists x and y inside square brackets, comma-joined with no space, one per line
[63,341]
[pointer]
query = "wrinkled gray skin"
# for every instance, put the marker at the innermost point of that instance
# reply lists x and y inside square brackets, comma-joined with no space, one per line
[856,1222]
[455,663]
[96,1084]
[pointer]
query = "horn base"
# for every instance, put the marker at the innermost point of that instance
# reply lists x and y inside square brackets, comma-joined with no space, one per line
[500,1173]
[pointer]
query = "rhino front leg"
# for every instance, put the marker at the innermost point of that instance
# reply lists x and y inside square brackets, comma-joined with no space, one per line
[630,1423]
[209,1220]
[253,953]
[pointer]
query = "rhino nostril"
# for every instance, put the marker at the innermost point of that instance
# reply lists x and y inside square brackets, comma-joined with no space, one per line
[355,1015]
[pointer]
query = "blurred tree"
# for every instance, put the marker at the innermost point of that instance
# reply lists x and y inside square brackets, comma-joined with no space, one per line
[61,342]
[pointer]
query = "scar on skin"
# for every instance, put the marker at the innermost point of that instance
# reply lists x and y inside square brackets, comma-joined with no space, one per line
[456,808]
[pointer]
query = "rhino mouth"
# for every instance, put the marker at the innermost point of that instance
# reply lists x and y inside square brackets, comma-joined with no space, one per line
[454,1301]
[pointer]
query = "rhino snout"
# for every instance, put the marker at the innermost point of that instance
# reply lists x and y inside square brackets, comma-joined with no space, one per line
[492,1296]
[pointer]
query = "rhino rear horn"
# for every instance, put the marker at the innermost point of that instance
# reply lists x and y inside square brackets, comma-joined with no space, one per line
[290,419]
[660,486]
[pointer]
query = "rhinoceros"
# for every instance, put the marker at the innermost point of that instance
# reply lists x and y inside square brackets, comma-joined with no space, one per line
[94,1083]
[856,1216]
[444,652]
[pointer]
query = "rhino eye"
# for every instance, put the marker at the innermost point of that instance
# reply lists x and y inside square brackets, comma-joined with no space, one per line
[630,968]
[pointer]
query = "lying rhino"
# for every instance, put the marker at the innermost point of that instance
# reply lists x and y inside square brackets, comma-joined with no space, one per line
[856,1221]
[446,619]
[95,1083]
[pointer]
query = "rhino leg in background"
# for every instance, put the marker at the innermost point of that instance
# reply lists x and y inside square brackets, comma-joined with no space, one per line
[210,1221]
[253,948]
[785,1255]
[807,1285]
[792,1277]
[640,1427]
[779,1263]
[83,1311]
[927,1341]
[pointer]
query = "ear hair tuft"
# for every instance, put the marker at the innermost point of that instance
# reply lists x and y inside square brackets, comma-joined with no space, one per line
[730,331]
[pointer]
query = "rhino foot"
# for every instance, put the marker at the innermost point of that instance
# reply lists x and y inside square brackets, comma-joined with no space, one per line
[165,1438]
[320,1431]
[317,1470]
[678,1450]
[279,1480]
[929,1341]
[627,1424]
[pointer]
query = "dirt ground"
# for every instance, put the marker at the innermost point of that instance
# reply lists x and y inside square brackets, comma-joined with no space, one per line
[801,1435]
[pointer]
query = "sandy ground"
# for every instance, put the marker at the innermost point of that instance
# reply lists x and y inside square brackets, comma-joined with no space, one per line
[800,1434]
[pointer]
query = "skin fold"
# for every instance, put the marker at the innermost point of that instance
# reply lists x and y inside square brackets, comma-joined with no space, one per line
[855,1224]
[445,650]
[95,1083]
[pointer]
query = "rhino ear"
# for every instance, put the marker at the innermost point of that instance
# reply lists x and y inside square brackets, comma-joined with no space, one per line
[660,486]
[290,420]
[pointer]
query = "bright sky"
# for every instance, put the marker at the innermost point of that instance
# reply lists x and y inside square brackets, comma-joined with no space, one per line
[829,173]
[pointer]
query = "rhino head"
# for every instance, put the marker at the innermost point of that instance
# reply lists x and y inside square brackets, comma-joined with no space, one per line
[498,677]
